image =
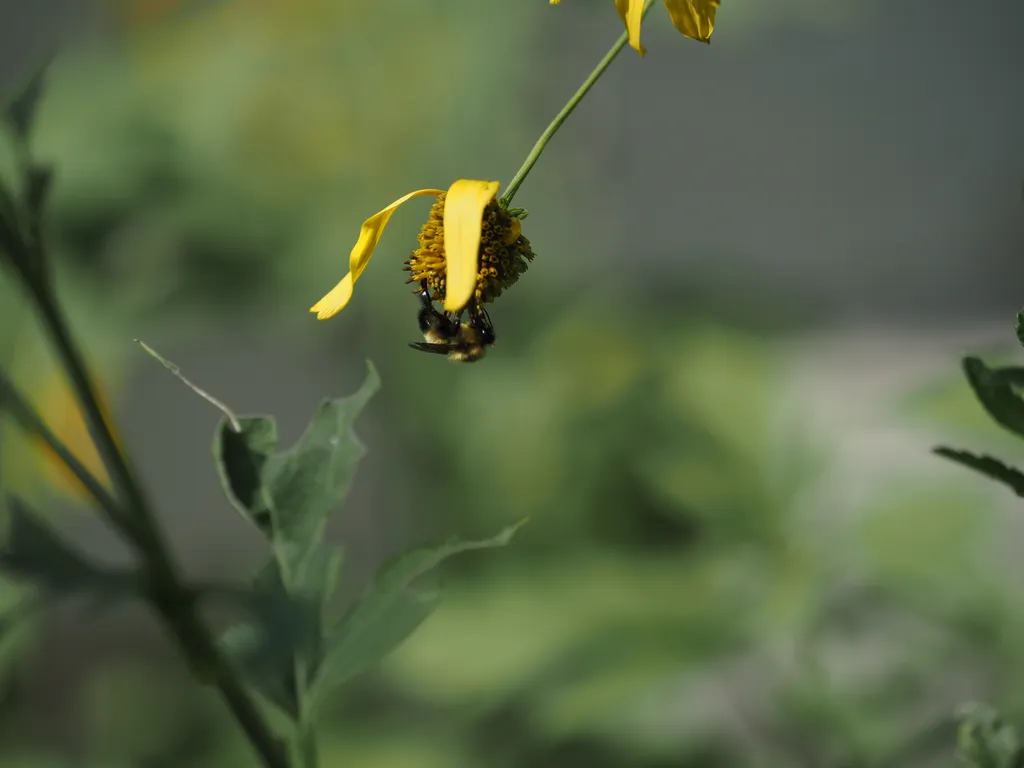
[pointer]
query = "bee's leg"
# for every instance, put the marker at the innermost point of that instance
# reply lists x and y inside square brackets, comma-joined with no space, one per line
[428,318]
[425,295]
[482,321]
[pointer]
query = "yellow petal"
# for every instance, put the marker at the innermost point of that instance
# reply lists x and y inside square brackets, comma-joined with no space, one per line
[59,407]
[372,228]
[463,215]
[632,11]
[694,18]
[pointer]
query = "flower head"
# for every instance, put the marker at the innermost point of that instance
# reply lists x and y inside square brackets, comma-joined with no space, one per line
[470,248]
[693,18]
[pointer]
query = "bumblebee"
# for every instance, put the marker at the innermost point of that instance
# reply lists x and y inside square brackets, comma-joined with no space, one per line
[446,334]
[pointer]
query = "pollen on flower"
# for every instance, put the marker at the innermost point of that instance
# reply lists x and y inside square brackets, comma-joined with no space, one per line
[504,253]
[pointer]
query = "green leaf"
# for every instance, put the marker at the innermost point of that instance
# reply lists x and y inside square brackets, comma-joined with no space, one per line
[312,479]
[988,466]
[986,741]
[1019,326]
[994,389]
[388,612]
[21,111]
[35,553]
[290,495]
[263,645]
[241,457]
[282,627]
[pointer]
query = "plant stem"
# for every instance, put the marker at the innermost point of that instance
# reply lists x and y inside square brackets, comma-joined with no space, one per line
[306,747]
[174,603]
[131,512]
[32,423]
[562,116]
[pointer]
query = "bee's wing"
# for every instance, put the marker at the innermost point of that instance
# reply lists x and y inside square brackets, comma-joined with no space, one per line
[437,349]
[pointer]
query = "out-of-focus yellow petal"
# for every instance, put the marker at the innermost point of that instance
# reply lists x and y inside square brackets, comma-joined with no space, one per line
[60,409]
[632,11]
[463,216]
[694,18]
[369,235]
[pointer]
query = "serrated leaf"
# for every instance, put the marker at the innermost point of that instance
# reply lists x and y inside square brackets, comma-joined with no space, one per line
[994,391]
[985,740]
[241,457]
[388,612]
[35,553]
[290,495]
[21,111]
[312,479]
[988,466]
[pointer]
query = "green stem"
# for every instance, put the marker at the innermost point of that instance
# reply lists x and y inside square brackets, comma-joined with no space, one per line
[174,602]
[562,116]
[305,749]
[130,510]
[32,423]
[117,467]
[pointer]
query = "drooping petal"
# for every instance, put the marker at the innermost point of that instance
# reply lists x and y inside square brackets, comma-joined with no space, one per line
[369,235]
[463,215]
[694,18]
[632,11]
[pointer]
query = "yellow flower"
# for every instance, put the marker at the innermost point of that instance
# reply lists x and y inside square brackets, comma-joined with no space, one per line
[470,248]
[693,18]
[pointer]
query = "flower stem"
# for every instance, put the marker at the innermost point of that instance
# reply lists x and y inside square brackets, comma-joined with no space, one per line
[563,115]
[173,601]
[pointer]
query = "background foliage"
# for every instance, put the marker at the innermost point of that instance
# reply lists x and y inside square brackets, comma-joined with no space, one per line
[740,550]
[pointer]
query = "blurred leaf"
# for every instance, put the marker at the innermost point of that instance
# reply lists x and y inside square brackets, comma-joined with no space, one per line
[19,628]
[20,113]
[241,457]
[283,626]
[988,466]
[1019,326]
[39,182]
[290,495]
[388,612]
[993,389]
[265,666]
[34,552]
[986,741]
[309,482]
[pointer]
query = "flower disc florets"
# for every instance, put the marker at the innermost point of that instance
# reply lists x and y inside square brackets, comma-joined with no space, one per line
[504,253]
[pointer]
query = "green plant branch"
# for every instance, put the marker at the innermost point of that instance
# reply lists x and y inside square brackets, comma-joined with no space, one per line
[32,423]
[305,748]
[563,115]
[174,602]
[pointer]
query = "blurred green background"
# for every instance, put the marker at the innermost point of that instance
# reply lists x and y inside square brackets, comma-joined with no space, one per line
[714,392]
